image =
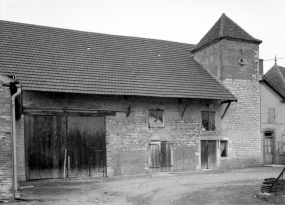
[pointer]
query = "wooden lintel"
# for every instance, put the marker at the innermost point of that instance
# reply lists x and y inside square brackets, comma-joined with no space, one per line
[228,105]
[128,111]
[184,109]
[64,109]
[68,111]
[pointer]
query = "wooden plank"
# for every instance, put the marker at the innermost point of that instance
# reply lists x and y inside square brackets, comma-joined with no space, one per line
[155,160]
[165,156]
[27,142]
[34,152]
[212,154]
[204,154]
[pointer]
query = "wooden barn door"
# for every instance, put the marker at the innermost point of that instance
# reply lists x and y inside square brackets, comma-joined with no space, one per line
[208,154]
[44,144]
[47,137]
[86,146]
[160,155]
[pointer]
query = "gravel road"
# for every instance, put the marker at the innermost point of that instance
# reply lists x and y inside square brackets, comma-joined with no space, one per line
[199,187]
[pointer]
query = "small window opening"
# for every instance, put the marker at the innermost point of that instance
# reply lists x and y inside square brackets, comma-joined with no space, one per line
[224,148]
[268,134]
[155,118]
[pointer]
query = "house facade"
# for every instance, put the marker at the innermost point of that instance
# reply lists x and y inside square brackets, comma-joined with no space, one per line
[104,105]
[272,89]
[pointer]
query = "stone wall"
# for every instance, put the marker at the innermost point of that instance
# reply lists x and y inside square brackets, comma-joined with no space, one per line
[6,165]
[128,138]
[236,65]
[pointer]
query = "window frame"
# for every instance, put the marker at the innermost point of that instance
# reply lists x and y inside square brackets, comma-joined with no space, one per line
[226,147]
[213,120]
[148,118]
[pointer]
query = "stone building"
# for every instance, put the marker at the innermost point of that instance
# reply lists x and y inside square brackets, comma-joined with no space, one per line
[272,93]
[105,105]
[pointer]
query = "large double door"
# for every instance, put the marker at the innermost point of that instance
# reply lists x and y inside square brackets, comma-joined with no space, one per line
[48,138]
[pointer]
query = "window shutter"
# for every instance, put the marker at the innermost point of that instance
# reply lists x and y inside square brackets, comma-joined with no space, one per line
[212,121]
[205,120]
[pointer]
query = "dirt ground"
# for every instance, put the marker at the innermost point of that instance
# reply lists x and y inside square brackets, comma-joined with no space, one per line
[198,187]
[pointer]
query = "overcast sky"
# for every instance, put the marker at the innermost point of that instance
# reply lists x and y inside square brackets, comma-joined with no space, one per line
[184,21]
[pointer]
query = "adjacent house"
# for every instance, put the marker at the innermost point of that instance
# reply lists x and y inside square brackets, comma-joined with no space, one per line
[103,105]
[272,92]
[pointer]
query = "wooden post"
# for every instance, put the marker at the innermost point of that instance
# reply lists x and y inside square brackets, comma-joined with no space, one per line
[64,165]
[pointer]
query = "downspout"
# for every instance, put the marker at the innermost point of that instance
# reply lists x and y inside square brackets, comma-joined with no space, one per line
[15,184]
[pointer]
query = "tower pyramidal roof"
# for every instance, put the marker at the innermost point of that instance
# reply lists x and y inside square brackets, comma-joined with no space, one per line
[228,29]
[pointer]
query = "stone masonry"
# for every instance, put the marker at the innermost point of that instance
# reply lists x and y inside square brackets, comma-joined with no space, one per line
[6,165]
[236,65]
[127,138]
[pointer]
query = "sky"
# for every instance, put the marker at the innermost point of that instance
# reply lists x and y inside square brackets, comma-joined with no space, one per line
[185,21]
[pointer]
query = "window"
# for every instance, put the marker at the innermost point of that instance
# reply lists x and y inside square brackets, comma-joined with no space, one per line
[208,120]
[271,115]
[224,148]
[155,118]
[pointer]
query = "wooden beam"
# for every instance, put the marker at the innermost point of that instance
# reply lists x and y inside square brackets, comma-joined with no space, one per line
[228,105]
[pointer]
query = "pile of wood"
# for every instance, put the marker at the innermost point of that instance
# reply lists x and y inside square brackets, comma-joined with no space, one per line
[274,185]
[269,186]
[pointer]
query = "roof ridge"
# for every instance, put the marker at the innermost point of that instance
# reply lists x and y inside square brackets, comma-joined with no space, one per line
[91,32]
[222,24]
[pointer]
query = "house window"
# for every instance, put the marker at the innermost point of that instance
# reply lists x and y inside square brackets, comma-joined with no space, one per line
[155,118]
[271,115]
[224,148]
[208,120]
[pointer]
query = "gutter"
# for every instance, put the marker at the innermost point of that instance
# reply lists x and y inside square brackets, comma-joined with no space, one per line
[15,184]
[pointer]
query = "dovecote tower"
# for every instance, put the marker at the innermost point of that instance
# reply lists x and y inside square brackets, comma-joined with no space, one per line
[231,55]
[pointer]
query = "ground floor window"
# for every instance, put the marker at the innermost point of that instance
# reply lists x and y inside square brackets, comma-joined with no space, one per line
[224,148]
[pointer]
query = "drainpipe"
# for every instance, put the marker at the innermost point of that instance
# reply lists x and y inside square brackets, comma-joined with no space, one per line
[15,184]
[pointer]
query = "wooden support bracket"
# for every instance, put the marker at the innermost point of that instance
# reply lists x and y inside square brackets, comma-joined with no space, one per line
[228,105]
[128,111]
[184,109]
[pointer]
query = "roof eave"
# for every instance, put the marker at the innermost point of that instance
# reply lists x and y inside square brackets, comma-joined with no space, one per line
[257,41]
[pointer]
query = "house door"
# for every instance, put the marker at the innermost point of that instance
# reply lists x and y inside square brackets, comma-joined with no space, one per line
[268,148]
[47,137]
[208,154]
[160,156]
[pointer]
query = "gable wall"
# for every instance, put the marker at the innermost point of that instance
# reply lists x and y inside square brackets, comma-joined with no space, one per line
[6,165]
[242,121]
[269,99]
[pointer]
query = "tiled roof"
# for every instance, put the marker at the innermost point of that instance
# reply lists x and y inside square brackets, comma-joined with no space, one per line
[225,28]
[275,77]
[62,60]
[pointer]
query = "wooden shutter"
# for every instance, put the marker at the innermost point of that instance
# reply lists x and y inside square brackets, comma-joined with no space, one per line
[165,155]
[212,121]
[154,155]
[205,120]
